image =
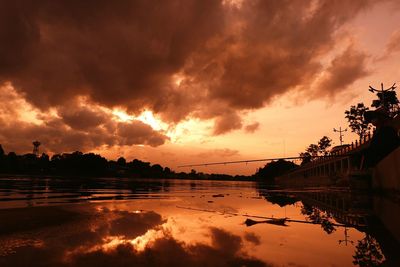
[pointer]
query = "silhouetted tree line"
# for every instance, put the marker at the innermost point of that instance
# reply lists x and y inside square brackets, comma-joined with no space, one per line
[363,121]
[315,150]
[94,165]
[274,169]
[213,176]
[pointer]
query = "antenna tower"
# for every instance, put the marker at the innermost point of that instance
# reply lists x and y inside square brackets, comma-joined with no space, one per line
[36,145]
[340,131]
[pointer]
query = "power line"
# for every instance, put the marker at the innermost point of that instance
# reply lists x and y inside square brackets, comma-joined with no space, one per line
[246,161]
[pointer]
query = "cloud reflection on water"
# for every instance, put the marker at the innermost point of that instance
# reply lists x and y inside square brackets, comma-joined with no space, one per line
[159,231]
[106,237]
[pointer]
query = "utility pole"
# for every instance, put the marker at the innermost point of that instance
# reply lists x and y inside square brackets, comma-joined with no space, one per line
[340,131]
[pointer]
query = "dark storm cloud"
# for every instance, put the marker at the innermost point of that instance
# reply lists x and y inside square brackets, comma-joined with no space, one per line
[227,122]
[344,70]
[82,118]
[137,132]
[128,53]
[56,137]
[278,48]
[74,128]
[118,53]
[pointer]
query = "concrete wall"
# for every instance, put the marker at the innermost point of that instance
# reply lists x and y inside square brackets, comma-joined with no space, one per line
[386,175]
[301,182]
[388,212]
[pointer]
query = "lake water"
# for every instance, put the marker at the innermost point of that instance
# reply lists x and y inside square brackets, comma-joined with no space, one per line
[122,222]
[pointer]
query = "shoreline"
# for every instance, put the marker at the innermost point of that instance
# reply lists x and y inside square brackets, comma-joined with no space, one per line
[83,178]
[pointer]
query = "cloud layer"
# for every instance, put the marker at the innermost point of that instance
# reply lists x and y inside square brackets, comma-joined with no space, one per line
[194,58]
[71,127]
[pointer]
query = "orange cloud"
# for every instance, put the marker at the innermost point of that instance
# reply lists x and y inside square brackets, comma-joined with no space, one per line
[201,59]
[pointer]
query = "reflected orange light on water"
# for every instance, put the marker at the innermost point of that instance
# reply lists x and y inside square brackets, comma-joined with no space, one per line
[203,221]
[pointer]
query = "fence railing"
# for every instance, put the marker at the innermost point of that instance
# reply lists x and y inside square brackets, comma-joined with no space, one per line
[363,140]
[343,151]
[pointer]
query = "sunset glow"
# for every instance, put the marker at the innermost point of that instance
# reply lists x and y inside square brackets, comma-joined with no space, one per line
[190,133]
[252,84]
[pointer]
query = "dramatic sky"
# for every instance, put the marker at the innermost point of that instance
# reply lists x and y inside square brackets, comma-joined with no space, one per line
[186,81]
